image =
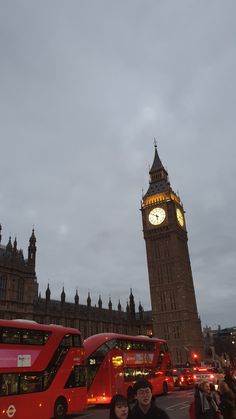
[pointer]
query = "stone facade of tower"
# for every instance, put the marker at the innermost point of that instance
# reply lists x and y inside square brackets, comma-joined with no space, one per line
[173,301]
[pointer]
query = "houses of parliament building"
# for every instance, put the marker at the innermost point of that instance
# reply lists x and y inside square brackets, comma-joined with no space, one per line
[174,314]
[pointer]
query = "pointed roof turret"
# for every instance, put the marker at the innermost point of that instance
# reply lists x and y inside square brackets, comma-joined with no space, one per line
[76,297]
[15,245]
[131,297]
[63,295]
[157,164]
[159,181]
[99,301]
[32,239]
[110,304]
[32,250]
[0,233]
[119,306]
[48,293]
[132,303]
[140,308]
[9,245]
[89,300]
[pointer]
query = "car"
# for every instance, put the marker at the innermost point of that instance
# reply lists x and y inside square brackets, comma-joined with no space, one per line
[211,375]
[183,378]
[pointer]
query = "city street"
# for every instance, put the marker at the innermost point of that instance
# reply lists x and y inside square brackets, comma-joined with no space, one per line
[176,405]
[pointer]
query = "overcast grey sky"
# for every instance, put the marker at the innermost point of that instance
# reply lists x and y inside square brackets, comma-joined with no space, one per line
[85,86]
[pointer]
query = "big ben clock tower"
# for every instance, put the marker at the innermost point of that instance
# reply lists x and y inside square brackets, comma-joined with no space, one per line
[173,301]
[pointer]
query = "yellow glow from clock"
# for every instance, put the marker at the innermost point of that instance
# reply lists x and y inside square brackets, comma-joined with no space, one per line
[160,197]
[157,216]
[180,217]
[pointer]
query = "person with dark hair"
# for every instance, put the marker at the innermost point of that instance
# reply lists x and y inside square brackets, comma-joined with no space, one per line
[230,380]
[145,406]
[227,404]
[205,406]
[119,407]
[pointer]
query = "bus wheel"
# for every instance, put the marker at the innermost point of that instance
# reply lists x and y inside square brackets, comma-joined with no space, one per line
[60,408]
[165,389]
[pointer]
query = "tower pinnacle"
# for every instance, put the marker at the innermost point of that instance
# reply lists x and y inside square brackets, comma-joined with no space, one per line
[158,181]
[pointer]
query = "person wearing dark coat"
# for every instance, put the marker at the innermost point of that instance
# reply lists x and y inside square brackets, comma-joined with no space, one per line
[145,407]
[227,401]
[230,380]
[205,406]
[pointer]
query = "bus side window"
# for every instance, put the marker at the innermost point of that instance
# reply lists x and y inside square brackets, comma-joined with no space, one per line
[31,383]
[9,384]
[77,377]
[32,337]
[67,341]
[95,360]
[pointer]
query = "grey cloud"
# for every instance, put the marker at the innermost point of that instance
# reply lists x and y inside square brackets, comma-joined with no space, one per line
[85,86]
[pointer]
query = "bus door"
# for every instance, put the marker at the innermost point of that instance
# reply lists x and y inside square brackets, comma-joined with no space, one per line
[116,372]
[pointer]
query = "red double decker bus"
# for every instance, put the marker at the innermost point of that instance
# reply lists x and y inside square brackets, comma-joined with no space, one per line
[42,371]
[114,362]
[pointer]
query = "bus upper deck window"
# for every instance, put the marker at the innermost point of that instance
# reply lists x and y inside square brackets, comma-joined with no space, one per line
[11,335]
[32,337]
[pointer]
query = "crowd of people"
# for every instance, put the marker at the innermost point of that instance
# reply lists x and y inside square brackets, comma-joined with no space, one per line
[208,403]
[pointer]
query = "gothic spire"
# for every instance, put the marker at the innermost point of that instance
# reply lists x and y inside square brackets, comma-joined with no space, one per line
[158,181]
[89,300]
[99,301]
[110,304]
[76,297]
[15,245]
[63,295]
[32,250]
[0,233]
[157,164]
[32,239]
[48,293]
[132,303]
[9,245]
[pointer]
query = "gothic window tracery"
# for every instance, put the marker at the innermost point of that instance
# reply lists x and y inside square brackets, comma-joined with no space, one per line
[3,287]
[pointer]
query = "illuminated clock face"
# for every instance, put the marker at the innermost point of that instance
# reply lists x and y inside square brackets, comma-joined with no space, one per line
[157,216]
[180,217]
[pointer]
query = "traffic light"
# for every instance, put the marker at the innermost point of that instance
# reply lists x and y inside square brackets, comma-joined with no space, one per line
[195,358]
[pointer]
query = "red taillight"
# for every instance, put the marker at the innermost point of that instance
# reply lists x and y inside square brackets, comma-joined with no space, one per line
[182,378]
[212,376]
